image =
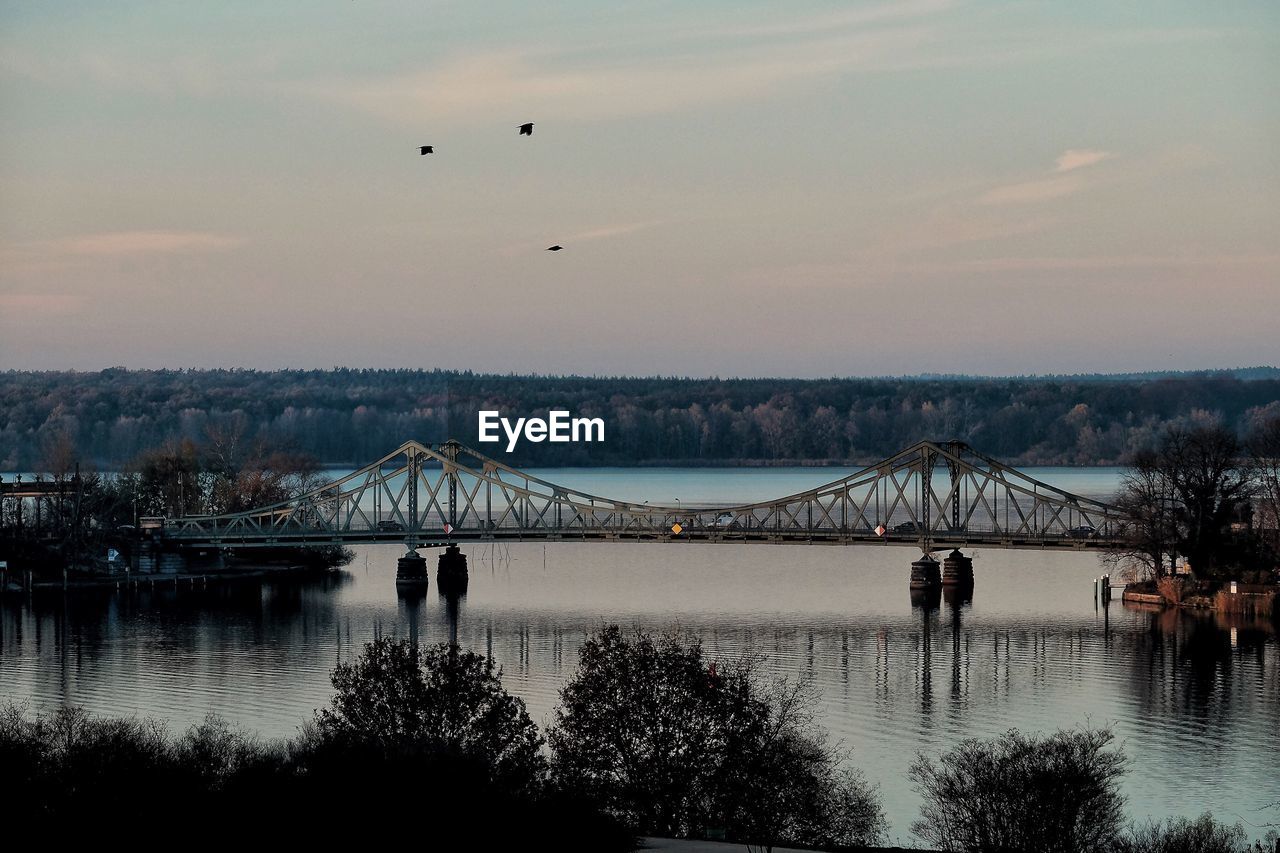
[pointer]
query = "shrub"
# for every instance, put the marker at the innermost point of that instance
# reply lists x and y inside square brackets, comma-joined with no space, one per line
[1016,793]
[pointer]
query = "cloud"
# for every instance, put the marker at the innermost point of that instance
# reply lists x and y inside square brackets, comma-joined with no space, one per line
[146,243]
[1058,185]
[477,87]
[1033,191]
[1078,158]
[1024,264]
[845,18]
[612,231]
[70,252]
[600,233]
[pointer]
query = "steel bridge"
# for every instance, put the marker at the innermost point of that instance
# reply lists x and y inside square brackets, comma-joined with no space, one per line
[934,495]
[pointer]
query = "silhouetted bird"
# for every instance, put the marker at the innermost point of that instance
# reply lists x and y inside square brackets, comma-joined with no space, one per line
[554,248]
[526,129]
[427,149]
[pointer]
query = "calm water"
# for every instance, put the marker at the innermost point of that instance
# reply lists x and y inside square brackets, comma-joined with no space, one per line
[1195,703]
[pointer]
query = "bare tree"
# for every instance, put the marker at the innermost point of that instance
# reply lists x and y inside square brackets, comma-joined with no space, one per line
[1204,466]
[1264,452]
[1058,794]
[1149,535]
[1181,497]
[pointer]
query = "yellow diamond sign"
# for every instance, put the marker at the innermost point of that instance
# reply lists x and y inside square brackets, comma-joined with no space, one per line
[676,528]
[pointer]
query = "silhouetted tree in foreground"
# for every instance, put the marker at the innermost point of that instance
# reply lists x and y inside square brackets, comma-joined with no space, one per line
[399,700]
[419,741]
[1058,794]
[678,745]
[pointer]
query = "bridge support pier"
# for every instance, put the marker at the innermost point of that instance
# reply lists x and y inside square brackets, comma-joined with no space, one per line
[411,572]
[925,573]
[451,572]
[957,570]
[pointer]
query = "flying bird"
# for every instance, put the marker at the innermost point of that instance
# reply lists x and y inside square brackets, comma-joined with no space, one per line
[426,149]
[526,129]
[554,248]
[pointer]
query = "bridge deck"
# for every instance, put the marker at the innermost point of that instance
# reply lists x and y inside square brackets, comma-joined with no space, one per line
[439,538]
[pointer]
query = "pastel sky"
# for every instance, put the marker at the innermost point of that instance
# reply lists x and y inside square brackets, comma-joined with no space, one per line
[798,188]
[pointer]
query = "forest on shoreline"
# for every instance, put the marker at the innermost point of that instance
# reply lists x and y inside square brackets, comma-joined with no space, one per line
[352,416]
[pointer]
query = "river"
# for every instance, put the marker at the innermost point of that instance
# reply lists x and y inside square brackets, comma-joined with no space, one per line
[1194,701]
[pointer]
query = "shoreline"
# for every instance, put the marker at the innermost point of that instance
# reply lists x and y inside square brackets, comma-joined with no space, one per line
[160,580]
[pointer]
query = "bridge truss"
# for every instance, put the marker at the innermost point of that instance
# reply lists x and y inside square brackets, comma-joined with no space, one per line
[935,495]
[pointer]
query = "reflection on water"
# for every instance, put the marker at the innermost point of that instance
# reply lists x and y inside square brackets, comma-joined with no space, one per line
[1194,700]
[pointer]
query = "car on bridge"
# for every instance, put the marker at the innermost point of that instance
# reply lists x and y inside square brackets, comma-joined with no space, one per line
[1083,531]
[906,527]
[389,525]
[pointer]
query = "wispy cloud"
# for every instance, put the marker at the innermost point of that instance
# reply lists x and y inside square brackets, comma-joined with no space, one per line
[65,252]
[601,232]
[521,82]
[1114,262]
[1062,182]
[1078,158]
[826,23]
[1032,191]
[613,230]
[146,243]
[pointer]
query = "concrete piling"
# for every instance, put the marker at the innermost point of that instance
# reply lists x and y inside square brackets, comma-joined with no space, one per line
[957,570]
[925,573]
[451,571]
[411,571]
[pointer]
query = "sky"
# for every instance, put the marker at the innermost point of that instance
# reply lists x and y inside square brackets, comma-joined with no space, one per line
[746,189]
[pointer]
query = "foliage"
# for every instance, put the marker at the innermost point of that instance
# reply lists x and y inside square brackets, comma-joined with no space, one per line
[1183,496]
[354,416]
[69,775]
[398,699]
[1057,794]
[86,512]
[676,745]
[1199,835]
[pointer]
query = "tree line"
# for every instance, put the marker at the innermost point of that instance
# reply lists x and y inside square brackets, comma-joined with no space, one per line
[84,512]
[350,416]
[652,737]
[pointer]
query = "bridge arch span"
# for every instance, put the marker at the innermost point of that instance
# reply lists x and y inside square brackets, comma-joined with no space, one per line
[935,495]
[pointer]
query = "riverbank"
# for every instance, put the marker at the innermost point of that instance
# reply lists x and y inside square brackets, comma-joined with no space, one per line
[123,580]
[1261,601]
[685,845]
